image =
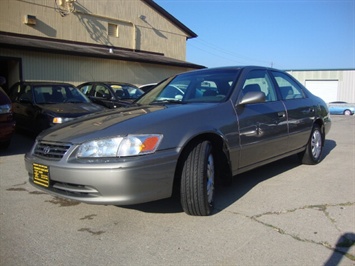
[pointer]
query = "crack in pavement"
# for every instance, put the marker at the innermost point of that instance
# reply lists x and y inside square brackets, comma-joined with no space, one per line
[344,243]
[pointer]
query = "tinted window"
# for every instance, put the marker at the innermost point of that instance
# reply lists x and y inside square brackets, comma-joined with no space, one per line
[86,89]
[259,81]
[101,91]
[289,88]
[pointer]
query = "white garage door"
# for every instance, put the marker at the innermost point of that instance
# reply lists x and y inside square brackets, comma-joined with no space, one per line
[326,89]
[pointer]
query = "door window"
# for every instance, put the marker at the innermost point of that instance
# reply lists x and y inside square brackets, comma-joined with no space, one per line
[101,91]
[259,81]
[289,89]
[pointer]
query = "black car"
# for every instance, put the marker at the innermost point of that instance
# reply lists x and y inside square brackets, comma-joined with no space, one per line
[40,105]
[111,94]
[7,122]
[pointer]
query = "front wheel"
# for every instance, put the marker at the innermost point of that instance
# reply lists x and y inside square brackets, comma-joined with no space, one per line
[197,180]
[313,152]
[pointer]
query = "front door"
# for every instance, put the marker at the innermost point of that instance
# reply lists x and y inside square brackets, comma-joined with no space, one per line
[263,126]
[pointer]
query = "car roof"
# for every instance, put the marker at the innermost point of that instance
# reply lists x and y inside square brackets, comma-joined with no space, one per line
[226,68]
[108,83]
[44,83]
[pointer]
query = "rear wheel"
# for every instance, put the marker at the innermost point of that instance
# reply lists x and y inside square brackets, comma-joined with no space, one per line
[313,152]
[197,180]
[347,112]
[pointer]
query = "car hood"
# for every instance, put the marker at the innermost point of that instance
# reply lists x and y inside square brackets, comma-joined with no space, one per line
[71,109]
[155,119]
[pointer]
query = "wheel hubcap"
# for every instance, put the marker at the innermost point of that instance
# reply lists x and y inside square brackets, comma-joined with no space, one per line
[210,178]
[316,144]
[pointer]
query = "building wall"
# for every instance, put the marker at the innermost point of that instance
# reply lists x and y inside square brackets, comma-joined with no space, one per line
[345,78]
[76,70]
[139,26]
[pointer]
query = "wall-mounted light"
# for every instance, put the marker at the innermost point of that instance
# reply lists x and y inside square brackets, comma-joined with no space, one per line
[142,17]
[30,20]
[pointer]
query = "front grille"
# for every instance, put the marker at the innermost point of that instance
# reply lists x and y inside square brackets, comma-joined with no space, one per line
[51,150]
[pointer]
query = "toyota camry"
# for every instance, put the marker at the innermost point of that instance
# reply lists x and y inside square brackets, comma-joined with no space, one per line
[189,132]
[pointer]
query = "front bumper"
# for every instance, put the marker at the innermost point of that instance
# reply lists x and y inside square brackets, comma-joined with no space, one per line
[124,182]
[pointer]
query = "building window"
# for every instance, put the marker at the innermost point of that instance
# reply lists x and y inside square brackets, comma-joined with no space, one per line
[112,30]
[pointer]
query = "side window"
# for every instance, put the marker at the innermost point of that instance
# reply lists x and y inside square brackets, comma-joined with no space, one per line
[86,89]
[101,91]
[289,89]
[259,80]
[15,92]
[25,94]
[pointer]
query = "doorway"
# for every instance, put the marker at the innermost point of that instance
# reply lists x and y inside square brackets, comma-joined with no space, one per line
[11,70]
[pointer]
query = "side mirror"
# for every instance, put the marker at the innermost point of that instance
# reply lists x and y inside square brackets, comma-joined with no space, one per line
[24,99]
[252,97]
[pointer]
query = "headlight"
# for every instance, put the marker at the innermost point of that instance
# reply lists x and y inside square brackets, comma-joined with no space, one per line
[120,146]
[60,120]
[5,109]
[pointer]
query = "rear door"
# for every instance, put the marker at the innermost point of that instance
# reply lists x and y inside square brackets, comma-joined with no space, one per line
[300,109]
[263,126]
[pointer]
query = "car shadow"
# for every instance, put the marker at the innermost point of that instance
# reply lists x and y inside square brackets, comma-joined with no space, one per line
[342,247]
[21,143]
[329,145]
[241,185]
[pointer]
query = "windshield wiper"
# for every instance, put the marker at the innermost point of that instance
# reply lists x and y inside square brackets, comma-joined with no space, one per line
[167,101]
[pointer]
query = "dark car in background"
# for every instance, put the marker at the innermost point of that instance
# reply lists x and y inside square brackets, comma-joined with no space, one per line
[190,132]
[341,108]
[7,122]
[111,94]
[40,105]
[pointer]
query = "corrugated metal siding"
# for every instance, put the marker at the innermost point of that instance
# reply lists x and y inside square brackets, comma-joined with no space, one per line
[76,69]
[345,78]
[347,87]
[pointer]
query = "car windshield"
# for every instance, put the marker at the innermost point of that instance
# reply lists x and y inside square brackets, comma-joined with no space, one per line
[125,91]
[197,86]
[58,94]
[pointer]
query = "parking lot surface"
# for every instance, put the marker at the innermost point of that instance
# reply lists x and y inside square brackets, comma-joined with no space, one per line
[283,213]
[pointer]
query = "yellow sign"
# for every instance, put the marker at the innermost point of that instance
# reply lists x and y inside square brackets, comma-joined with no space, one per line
[41,175]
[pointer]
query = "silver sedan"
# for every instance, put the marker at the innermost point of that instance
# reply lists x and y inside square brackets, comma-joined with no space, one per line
[190,132]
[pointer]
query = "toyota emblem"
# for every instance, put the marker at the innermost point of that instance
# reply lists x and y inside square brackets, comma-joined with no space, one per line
[46,149]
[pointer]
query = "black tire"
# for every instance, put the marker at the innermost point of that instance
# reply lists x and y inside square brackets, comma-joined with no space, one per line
[312,154]
[197,180]
[347,112]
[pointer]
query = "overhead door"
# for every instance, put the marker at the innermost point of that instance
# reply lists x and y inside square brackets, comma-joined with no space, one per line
[325,89]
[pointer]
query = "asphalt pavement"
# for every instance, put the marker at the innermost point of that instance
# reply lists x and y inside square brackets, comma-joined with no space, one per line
[284,213]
